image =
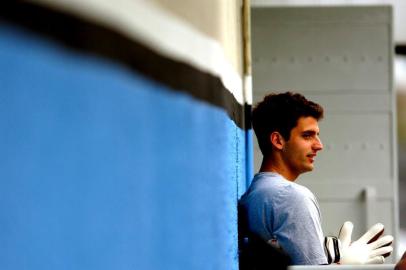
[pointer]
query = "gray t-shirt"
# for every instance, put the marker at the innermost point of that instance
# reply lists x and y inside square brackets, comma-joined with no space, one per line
[275,208]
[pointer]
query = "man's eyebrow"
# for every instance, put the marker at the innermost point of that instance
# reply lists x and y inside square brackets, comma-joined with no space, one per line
[310,132]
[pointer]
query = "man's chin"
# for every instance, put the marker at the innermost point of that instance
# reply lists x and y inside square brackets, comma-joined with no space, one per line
[308,168]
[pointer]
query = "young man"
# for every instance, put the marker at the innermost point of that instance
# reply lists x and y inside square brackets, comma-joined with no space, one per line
[275,208]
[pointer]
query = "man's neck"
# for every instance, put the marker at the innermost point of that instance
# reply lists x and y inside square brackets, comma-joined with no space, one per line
[274,164]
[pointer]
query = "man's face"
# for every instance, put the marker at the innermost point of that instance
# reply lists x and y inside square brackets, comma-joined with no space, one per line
[300,150]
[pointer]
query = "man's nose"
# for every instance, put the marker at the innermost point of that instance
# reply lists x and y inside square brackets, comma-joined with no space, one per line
[318,145]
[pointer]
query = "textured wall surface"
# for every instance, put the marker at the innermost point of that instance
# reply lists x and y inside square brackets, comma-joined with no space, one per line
[103,167]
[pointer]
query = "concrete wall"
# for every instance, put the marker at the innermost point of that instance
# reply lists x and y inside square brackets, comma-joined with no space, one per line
[123,137]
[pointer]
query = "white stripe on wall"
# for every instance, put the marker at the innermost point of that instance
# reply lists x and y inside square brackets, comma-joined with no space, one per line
[161,31]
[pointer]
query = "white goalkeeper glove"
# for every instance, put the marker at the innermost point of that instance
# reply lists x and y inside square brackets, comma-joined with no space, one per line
[369,249]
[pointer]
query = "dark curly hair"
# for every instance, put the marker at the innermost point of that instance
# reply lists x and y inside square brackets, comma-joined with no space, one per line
[280,112]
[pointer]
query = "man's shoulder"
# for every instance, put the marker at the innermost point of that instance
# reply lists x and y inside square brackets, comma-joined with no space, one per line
[276,191]
[301,194]
[267,184]
[302,190]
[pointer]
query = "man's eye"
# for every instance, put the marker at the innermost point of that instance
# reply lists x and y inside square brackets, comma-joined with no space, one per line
[307,136]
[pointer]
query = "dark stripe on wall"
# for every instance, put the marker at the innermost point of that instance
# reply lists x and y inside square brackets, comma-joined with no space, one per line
[86,36]
[247,115]
[400,49]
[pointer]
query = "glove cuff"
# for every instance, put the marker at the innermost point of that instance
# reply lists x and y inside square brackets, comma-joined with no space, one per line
[332,249]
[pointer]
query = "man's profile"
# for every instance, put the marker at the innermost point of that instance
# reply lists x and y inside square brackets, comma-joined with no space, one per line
[275,208]
[286,215]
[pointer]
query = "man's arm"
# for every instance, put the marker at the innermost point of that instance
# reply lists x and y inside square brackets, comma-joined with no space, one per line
[298,227]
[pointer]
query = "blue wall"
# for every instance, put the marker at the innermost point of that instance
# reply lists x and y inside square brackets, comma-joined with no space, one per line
[102,168]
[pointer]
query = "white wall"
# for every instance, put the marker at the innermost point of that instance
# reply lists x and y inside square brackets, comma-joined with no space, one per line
[399,8]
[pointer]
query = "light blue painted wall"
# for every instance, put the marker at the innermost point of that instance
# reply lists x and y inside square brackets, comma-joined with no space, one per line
[102,168]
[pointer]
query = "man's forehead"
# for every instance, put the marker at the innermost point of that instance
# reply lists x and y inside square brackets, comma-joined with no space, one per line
[308,123]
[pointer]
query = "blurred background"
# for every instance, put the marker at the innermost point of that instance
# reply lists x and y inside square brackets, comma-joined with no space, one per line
[399,42]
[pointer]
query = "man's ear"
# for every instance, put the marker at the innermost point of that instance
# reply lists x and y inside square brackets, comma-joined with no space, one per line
[277,140]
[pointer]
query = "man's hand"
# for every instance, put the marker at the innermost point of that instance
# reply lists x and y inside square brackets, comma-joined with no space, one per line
[369,249]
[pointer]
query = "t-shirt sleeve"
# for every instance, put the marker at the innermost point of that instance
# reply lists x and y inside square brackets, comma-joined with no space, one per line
[297,227]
